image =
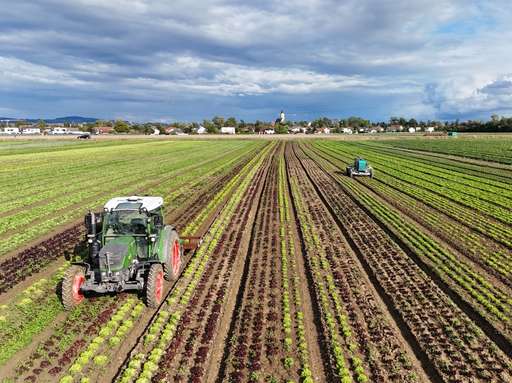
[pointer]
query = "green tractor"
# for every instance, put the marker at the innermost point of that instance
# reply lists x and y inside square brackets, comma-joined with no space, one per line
[129,248]
[360,168]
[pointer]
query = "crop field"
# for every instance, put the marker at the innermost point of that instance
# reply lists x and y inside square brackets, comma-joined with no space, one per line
[303,273]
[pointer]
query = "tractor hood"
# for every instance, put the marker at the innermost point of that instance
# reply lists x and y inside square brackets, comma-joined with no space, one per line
[119,251]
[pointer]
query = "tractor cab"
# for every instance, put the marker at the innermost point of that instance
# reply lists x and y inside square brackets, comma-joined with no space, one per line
[359,168]
[135,219]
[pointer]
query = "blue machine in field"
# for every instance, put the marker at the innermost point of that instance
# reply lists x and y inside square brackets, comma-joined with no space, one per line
[360,168]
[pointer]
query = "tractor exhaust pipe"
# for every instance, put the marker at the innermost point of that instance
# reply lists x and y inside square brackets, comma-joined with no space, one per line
[90,224]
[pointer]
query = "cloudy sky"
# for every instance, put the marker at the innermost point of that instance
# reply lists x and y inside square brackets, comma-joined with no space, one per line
[189,60]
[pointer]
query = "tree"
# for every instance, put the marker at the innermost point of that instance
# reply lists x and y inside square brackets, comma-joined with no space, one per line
[121,126]
[88,127]
[358,122]
[218,121]
[210,127]
[41,124]
[281,128]
[231,121]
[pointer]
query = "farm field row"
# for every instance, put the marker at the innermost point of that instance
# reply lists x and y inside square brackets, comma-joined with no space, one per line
[303,274]
[493,149]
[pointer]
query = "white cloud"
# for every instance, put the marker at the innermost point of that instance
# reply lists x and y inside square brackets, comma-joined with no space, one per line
[459,99]
[15,72]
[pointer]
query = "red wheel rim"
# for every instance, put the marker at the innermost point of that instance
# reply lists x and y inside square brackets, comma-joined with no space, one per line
[176,260]
[78,281]
[159,284]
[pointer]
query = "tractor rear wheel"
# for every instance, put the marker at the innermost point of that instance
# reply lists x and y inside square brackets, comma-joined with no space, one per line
[155,286]
[73,280]
[173,263]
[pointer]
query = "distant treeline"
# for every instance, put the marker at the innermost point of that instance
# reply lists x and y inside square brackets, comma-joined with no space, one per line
[214,125]
[495,124]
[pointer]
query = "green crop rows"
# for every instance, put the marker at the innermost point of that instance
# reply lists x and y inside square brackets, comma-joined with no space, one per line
[302,274]
[498,149]
[58,187]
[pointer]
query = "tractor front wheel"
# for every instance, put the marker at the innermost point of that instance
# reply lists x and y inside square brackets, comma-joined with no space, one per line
[155,286]
[73,280]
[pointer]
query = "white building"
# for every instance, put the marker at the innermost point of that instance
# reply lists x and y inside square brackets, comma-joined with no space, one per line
[412,130]
[31,131]
[59,131]
[12,130]
[201,130]
[270,131]
[429,129]
[227,130]
[347,131]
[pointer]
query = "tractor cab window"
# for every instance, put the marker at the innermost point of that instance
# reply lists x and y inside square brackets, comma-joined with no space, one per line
[126,222]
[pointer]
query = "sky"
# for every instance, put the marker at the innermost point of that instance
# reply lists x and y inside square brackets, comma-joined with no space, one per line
[188,60]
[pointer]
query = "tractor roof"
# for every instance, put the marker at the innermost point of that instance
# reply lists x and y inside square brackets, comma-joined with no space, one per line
[135,203]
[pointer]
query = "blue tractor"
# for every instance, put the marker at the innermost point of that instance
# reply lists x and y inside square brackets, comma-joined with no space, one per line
[360,168]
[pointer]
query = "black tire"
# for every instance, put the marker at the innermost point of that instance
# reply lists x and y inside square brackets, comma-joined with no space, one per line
[155,286]
[71,283]
[173,257]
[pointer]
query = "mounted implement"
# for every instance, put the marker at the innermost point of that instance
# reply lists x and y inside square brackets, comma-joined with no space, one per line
[129,248]
[360,168]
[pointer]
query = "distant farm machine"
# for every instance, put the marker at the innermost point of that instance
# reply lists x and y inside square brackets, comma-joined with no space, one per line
[359,168]
[129,248]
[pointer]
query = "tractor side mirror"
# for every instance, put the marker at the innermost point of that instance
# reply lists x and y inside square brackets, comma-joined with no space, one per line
[158,221]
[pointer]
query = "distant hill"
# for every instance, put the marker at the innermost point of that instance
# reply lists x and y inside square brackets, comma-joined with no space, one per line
[58,120]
